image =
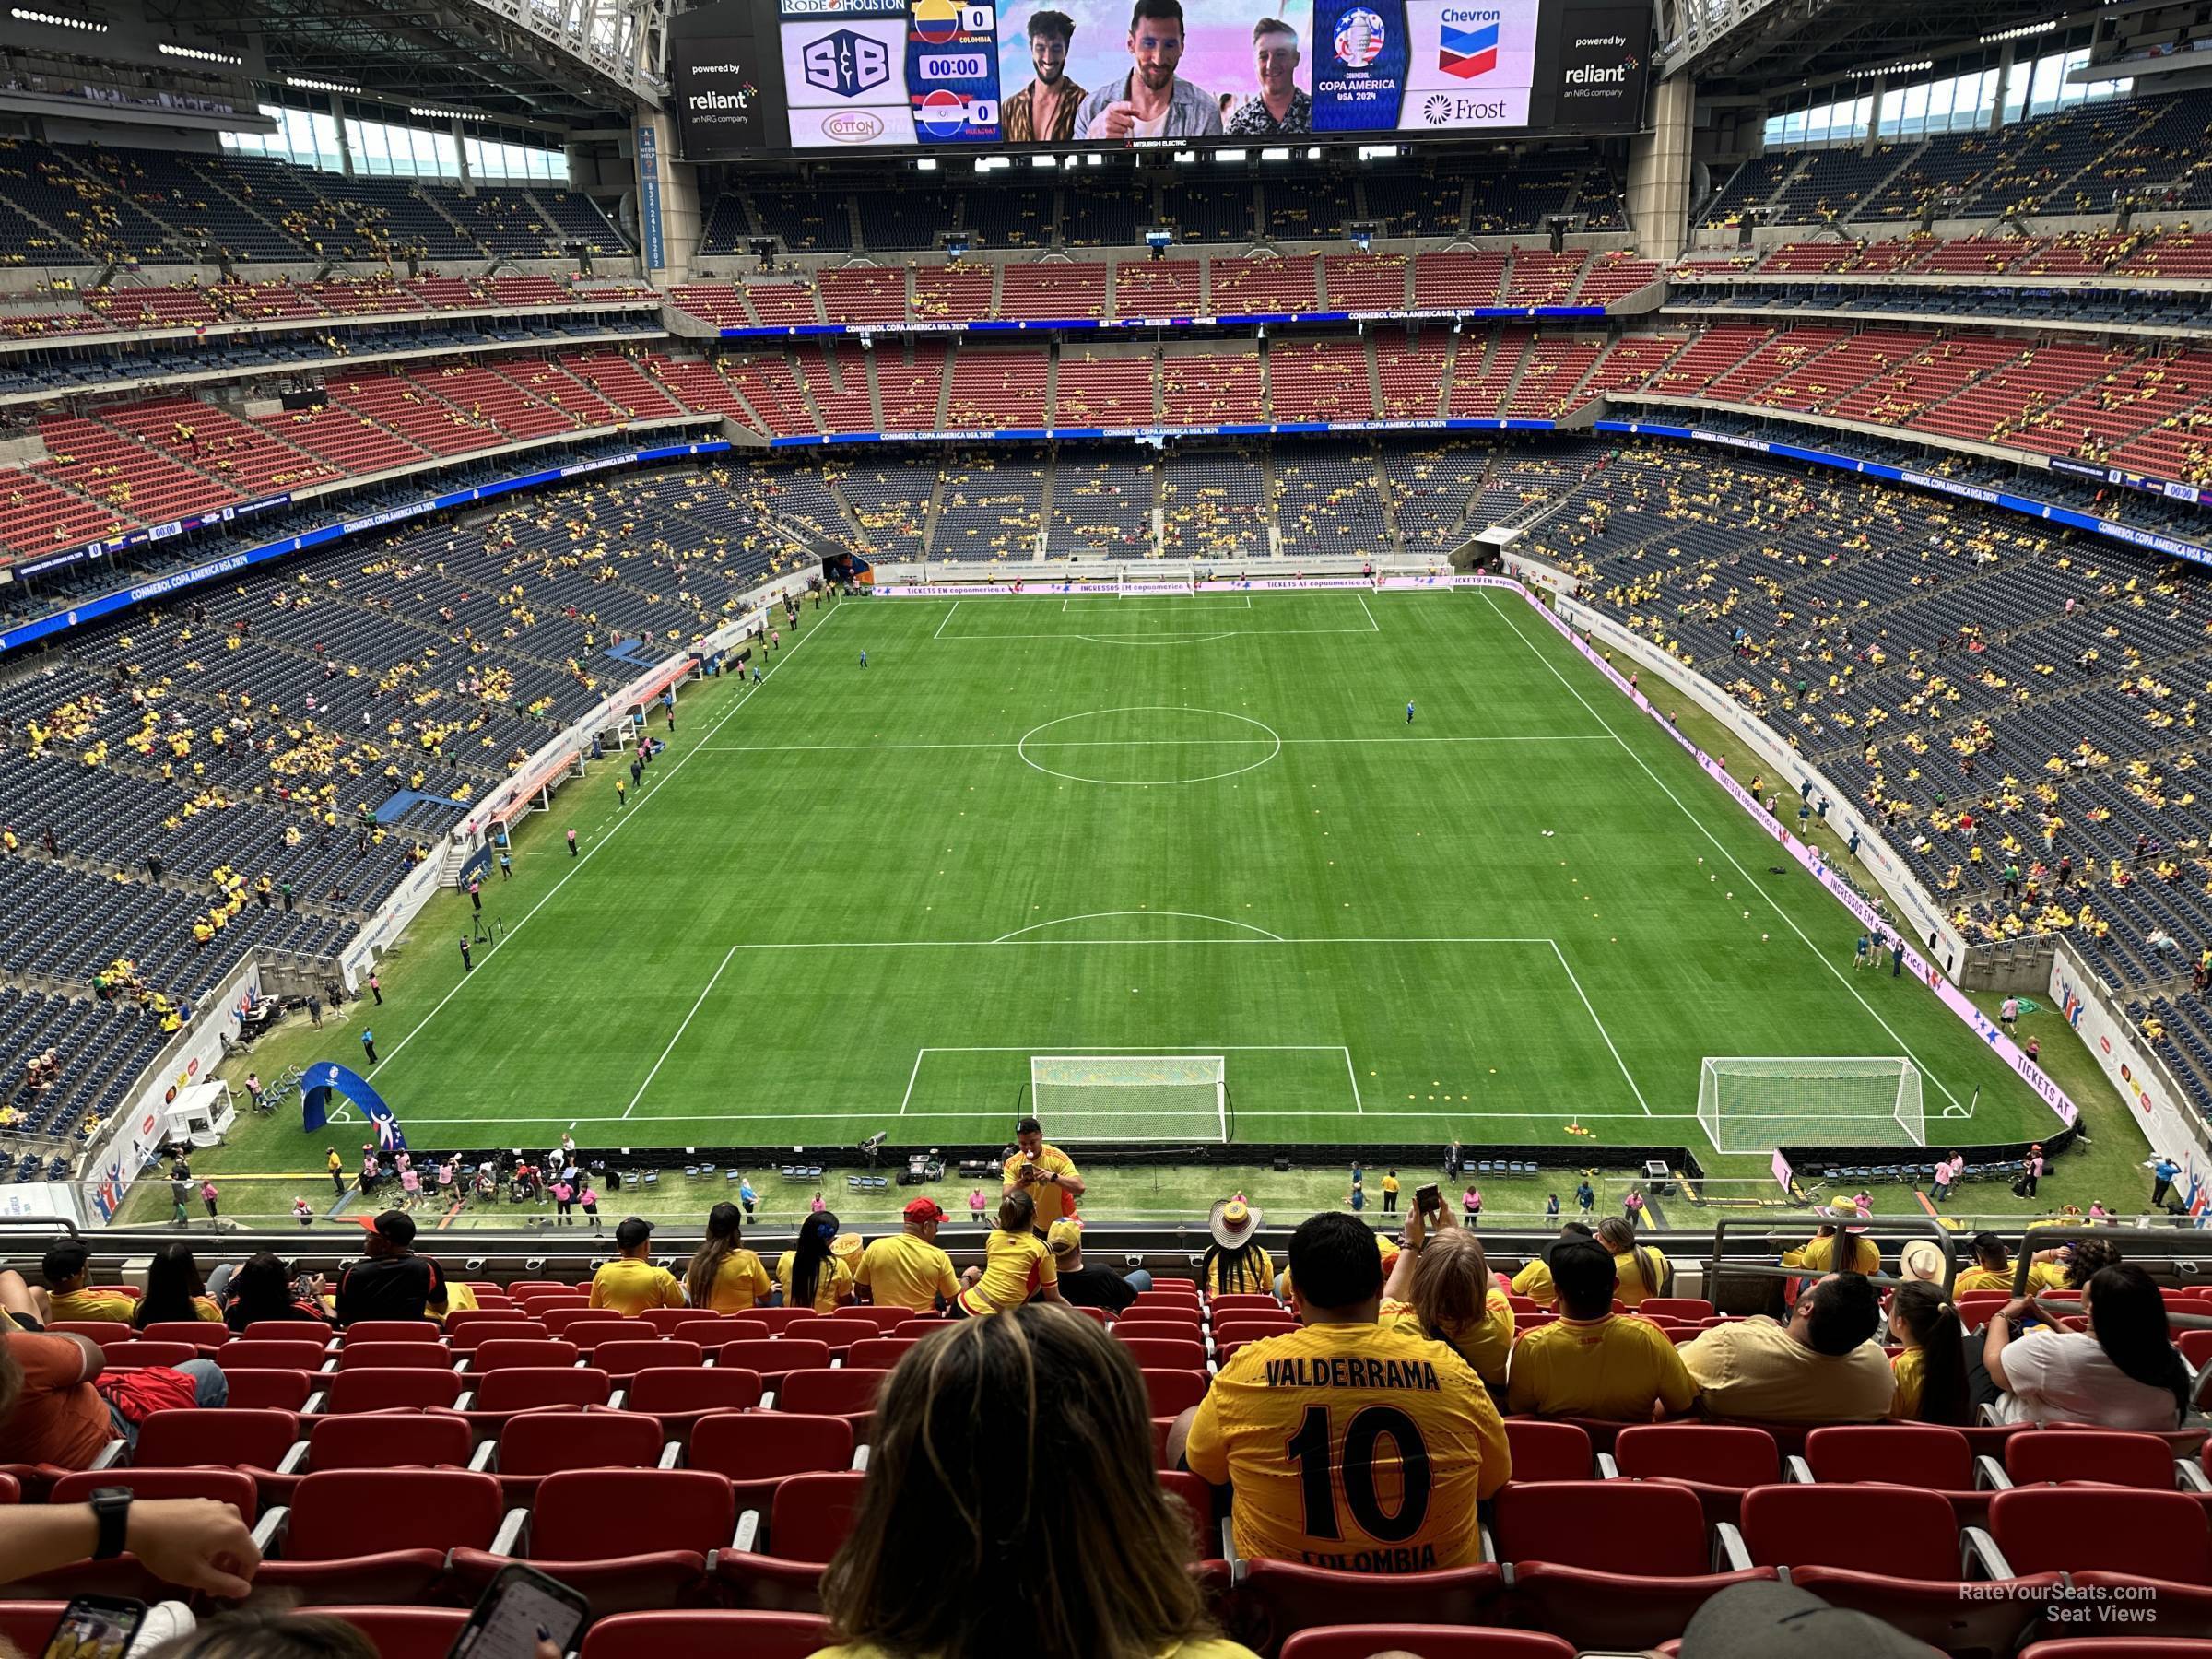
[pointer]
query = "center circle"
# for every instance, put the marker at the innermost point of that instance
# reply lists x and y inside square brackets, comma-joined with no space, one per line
[1149,746]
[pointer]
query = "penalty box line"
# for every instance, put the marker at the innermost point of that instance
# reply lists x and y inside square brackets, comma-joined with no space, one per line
[1358,1108]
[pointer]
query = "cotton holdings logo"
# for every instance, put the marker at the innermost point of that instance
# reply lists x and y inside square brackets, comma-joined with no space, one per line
[1467,43]
[846,63]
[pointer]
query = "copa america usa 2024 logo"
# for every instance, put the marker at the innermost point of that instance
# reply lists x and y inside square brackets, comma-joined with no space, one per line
[1360,37]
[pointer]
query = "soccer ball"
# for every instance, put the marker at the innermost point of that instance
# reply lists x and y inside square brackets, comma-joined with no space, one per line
[1762,938]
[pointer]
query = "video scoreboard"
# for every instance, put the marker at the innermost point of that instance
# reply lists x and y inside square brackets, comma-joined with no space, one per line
[765,76]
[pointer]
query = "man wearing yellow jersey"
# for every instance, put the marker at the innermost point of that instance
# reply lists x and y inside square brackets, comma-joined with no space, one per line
[908,1270]
[630,1284]
[67,1270]
[1533,1280]
[1349,1444]
[1043,1171]
[1992,1269]
[1591,1362]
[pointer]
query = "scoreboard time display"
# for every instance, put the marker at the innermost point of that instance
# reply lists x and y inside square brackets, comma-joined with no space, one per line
[756,76]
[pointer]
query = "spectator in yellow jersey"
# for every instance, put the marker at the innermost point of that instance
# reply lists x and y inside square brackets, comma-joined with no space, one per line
[724,1274]
[811,1272]
[1821,1252]
[1932,1383]
[1235,1262]
[1822,1367]
[908,1270]
[630,1283]
[1017,1264]
[1591,1362]
[1533,1280]
[1043,1171]
[1348,1443]
[1643,1269]
[70,1291]
[1012,1457]
[1992,1269]
[1441,1288]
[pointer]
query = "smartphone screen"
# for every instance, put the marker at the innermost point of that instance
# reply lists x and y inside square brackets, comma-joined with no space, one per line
[95,1627]
[513,1609]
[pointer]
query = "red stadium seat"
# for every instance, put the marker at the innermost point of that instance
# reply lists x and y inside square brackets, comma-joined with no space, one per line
[392,1329]
[394,1356]
[1156,1353]
[1563,1539]
[774,1358]
[1282,1598]
[1430,1641]
[376,1535]
[1898,1553]
[404,1632]
[1548,1451]
[250,1353]
[779,1560]
[1688,1308]
[389,1439]
[756,1451]
[227,1437]
[919,1327]
[284,1390]
[664,1321]
[200,1333]
[673,1521]
[626,1358]
[680,1395]
[1220,1304]
[705,1635]
[778,1320]
[600,1327]
[483,1318]
[848,1393]
[2102,1454]
[1718,1462]
[509,1354]
[1914,1455]
[379,1389]
[2117,1647]
[120,1354]
[536,1444]
[2112,1542]
[467,1339]
[287,1330]
[1171,1392]
[532,1388]
[711,1330]
[879,1353]
[838,1334]
[103,1331]
[126,1575]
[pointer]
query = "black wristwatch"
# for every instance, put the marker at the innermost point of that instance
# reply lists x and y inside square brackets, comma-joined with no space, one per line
[112,1509]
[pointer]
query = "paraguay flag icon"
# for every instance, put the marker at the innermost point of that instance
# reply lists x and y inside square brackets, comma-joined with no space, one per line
[1467,52]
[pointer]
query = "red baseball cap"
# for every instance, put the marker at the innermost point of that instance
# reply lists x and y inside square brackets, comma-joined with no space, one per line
[924,1209]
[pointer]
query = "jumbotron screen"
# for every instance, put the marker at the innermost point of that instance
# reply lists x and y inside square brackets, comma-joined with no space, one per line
[754,75]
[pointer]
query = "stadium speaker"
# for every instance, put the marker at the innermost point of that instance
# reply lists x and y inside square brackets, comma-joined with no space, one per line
[1282,1166]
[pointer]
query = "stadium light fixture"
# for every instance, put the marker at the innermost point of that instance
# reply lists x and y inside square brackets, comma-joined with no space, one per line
[926,164]
[1232,155]
[306,82]
[1378,152]
[1044,160]
[1189,157]
[1092,160]
[198,55]
[431,112]
[57,21]
[1275,153]
[2020,33]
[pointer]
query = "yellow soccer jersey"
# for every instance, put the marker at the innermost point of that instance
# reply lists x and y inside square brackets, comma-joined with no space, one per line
[1360,1447]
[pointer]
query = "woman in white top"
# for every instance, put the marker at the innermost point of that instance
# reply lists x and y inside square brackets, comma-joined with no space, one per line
[2121,1372]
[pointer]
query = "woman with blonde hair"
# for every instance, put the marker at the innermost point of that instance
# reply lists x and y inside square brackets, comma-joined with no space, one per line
[1441,1288]
[1011,1507]
[1643,1268]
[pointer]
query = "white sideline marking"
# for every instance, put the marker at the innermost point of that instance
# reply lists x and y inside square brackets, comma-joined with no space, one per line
[989,944]
[1094,915]
[1819,955]
[823,749]
[1371,614]
[875,1113]
[1601,1028]
[728,957]
[629,815]
[956,606]
[1160,639]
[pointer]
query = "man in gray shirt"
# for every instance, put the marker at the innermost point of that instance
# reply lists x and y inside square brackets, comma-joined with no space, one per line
[1150,102]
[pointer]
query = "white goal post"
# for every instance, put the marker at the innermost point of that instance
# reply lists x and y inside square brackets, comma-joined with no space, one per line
[1131,1096]
[1757,1102]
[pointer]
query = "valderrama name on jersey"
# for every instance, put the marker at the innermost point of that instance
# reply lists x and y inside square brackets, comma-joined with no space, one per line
[1303,1372]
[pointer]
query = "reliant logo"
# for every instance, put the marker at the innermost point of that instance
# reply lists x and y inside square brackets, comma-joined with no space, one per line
[852,127]
[1586,76]
[722,100]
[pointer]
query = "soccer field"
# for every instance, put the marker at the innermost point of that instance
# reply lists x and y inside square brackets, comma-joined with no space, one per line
[858,899]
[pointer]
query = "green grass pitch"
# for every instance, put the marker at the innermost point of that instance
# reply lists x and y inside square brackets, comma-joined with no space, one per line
[853,900]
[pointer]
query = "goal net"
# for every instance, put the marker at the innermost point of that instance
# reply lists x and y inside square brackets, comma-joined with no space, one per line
[1166,583]
[1755,1103]
[1131,1096]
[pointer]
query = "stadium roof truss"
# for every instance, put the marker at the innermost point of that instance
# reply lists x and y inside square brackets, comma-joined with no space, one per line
[1753,46]
[551,60]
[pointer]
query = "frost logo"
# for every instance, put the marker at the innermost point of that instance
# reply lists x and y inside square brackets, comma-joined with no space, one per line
[1437,111]
[846,63]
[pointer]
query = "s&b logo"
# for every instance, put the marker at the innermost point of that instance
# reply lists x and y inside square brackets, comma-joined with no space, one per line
[846,63]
